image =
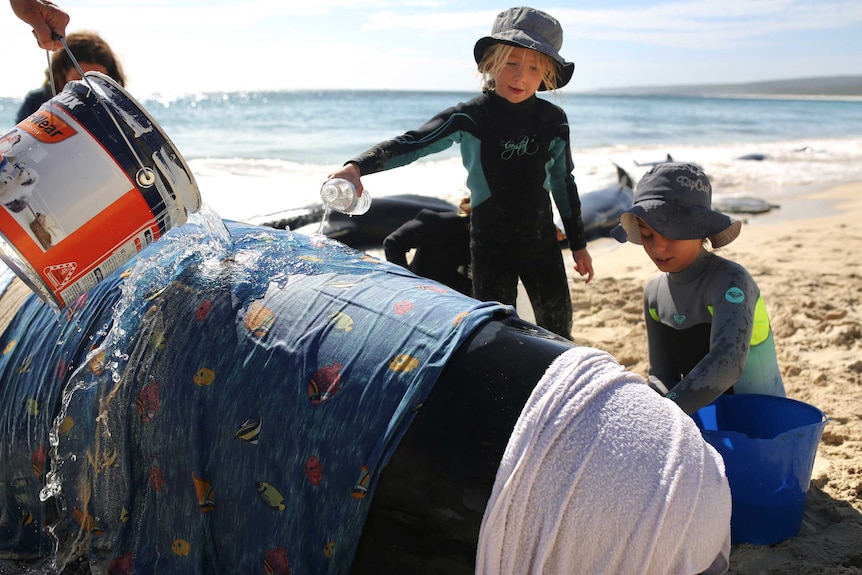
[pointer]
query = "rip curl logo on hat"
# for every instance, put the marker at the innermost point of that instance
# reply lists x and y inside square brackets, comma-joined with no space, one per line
[694,184]
[734,295]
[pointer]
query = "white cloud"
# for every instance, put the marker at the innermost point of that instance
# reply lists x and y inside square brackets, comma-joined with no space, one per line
[194,45]
[711,24]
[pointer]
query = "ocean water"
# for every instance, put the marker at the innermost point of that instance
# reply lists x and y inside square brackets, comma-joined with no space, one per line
[255,154]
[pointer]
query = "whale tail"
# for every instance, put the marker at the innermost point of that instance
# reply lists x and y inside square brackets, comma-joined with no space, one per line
[623,177]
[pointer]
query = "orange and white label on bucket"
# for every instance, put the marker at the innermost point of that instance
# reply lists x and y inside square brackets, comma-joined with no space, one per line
[72,205]
[59,179]
[66,205]
[46,126]
[106,264]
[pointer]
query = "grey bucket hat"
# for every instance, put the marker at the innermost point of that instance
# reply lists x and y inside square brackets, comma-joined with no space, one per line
[528,28]
[675,199]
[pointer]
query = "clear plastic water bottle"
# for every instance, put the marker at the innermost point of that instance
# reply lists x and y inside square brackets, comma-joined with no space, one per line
[340,195]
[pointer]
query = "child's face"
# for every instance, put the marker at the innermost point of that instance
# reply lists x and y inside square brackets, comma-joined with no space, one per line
[520,77]
[668,255]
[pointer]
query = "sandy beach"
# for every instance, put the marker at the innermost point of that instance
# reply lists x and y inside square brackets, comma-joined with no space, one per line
[806,259]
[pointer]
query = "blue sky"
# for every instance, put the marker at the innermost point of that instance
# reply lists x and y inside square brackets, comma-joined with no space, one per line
[178,46]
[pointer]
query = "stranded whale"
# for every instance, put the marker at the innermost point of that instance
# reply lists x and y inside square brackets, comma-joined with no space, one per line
[600,212]
[284,403]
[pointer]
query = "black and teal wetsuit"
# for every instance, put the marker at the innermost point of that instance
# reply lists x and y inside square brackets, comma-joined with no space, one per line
[515,154]
[708,333]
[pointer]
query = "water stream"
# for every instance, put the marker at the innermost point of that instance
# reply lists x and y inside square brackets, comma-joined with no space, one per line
[204,238]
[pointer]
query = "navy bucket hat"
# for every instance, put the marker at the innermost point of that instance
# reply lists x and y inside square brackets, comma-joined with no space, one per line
[675,199]
[529,28]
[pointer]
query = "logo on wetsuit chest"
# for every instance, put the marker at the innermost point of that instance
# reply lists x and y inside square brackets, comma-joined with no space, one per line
[525,146]
[678,318]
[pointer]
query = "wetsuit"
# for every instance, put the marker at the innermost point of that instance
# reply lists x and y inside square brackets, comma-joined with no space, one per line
[442,242]
[32,101]
[514,155]
[709,333]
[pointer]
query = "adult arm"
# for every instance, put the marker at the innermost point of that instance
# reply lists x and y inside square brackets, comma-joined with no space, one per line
[398,243]
[46,18]
[427,227]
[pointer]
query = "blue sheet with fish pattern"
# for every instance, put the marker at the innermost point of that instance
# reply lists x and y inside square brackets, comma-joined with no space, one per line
[225,410]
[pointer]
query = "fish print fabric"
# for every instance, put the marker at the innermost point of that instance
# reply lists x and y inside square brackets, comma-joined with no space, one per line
[218,409]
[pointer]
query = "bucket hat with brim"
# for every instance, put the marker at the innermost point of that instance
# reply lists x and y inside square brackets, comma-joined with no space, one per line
[675,199]
[532,29]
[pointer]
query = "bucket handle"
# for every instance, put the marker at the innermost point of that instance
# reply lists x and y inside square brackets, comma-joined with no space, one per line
[145,175]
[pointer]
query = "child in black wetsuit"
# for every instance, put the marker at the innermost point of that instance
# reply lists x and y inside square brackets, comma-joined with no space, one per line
[516,149]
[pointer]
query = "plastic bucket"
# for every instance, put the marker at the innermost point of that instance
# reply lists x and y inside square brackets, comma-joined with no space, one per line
[86,182]
[768,444]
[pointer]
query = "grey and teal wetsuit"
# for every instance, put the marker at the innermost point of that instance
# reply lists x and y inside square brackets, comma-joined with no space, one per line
[708,332]
[515,154]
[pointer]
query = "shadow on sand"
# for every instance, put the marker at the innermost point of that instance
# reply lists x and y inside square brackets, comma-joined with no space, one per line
[839,552]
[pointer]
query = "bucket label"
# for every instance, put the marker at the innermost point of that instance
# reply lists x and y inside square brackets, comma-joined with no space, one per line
[55,187]
[73,206]
[66,204]
[46,126]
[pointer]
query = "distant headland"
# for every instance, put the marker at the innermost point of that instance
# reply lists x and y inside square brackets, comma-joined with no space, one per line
[816,87]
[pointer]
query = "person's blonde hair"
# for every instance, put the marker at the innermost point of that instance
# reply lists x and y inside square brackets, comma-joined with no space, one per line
[496,57]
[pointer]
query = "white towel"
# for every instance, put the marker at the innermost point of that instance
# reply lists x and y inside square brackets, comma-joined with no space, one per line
[603,475]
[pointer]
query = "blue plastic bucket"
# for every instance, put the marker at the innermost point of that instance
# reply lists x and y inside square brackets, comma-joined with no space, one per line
[768,444]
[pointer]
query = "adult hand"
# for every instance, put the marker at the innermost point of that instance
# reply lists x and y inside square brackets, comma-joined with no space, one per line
[46,18]
[349,172]
[583,263]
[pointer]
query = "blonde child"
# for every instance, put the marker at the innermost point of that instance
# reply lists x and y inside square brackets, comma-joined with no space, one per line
[516,150]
